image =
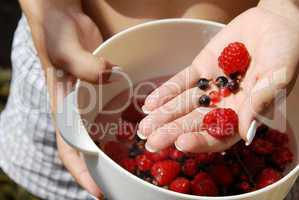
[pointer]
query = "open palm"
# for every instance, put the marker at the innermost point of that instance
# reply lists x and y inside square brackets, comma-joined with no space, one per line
[174,115]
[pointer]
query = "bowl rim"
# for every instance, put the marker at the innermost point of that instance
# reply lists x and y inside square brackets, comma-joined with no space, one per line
[157,188]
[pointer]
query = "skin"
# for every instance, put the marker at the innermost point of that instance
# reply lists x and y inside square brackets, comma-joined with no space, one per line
[273,48]
[65,32]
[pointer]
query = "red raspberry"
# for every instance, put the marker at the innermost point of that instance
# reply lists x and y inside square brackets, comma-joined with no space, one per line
[244,177]
[277,138]
[261,146]
[144,163]
[254,163]
[237,148]
[222,175]
[181,185]
[175,154]
[164,172]
[244,186]
[234,59]
[282,156]
[221,122]
[129,164]
[190,167]
[126,132]
[158,156]
[235,169]
[203,185]
[267,177]
[262,130]
[133,112]
[205,158]
[224,92]
[215,97]
[116,151]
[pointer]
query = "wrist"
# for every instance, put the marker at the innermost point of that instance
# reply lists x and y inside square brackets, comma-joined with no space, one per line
[286,8]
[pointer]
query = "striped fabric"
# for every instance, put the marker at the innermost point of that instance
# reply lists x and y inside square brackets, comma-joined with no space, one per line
[28,151]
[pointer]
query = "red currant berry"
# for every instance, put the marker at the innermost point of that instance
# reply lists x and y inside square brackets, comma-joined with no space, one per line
[164,172]
[144,163]
[204,185]
[190,167]
[267,177]
[225,92]
[215,97]
[129,164]
[181,185]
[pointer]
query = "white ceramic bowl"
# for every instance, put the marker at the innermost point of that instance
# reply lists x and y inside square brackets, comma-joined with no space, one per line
[147,51]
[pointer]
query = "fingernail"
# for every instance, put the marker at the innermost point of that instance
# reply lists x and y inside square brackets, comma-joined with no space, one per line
[117,68]
[251,132]
[151,99]
[177,146]
[96,198]
[145,110]
[115,72]
[150,148]
[140,135]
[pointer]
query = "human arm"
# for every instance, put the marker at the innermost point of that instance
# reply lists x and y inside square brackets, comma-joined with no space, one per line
[64,38]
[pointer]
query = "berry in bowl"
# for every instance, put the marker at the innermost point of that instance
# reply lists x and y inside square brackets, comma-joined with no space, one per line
[100,121]
[240,169]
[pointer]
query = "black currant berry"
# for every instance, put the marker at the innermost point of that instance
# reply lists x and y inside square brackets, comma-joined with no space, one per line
[203,83]
[233,86]
[221,81]
[204,100]
[262,130]
[235,76]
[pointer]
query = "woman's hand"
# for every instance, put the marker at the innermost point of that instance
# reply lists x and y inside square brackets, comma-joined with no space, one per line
[64,38]
[273,43]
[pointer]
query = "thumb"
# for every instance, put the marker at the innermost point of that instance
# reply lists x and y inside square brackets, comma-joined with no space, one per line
[84,65]
[75,164]
[71,51]
[260,100]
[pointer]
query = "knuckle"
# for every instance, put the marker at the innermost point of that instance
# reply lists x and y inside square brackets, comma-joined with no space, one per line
[177,126]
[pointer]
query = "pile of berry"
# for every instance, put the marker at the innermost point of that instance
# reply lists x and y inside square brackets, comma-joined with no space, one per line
[234,61]
[239,170]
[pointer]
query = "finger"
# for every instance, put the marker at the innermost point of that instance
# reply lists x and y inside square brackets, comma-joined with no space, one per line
[83,65]
[260,99]
[170,89]
[175,108]
[71,51]
[203,142]
[77,167]
[166,135]
[203,66]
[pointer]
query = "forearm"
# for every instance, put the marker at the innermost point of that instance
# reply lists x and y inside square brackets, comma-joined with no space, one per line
[37,10]
[286,8]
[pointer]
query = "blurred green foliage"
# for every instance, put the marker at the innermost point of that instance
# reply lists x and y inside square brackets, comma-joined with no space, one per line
[11,191]
[5,75]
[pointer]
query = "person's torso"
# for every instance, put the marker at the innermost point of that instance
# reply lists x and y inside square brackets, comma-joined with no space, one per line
[113,16]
